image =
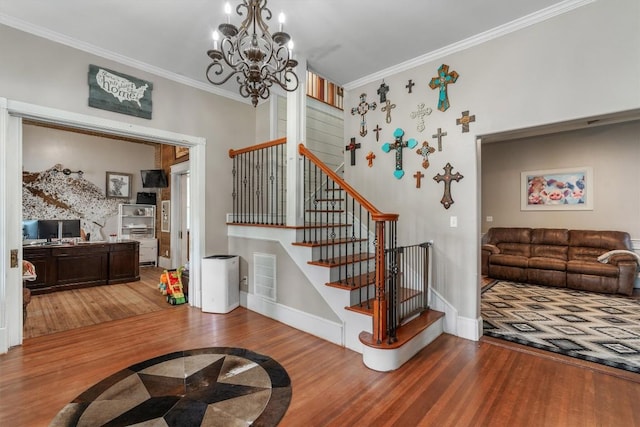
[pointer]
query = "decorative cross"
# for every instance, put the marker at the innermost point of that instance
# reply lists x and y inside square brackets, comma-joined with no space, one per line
[370,158]
[447,201]
[382,91]
[418,176]
[420,115]
[377,131]
[439,135]
[424,151]
[387,108]
[465,120]
[398,145]
[443,79]
[362,109]
[352,147]
[410,85]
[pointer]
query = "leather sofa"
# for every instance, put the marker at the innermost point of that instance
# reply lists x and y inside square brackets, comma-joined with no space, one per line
[589,260]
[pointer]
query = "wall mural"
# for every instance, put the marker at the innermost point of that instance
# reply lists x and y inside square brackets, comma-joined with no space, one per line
[51,194]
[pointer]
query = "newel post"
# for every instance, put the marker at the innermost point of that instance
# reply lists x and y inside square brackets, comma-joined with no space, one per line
[380,301]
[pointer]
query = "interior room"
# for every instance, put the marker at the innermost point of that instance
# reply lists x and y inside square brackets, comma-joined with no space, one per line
[375,214]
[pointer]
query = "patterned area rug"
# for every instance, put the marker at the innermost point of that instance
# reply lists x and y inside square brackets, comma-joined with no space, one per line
[598,328]
[205,387]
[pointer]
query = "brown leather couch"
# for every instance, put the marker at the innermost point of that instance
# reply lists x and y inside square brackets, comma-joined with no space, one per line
[590,260]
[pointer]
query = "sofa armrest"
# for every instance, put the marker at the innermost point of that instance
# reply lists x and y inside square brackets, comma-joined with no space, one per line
[619,256]
[492,249]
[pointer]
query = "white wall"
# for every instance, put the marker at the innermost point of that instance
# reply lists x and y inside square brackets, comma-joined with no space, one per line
[580,64]
[613,152]
[41,72]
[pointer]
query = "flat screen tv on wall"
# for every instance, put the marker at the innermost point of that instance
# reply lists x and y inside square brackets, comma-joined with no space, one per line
[154,178]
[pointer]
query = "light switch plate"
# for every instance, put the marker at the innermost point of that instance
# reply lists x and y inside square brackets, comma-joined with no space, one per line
[453,221]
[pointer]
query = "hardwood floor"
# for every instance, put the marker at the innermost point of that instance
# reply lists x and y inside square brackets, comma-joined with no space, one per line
[453,382]
[60,311]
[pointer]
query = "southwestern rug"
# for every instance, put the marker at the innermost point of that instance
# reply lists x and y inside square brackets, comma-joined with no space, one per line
[599,328]
[217,386]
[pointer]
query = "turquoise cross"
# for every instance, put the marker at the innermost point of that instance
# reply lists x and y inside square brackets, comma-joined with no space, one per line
[443,79]
[398,145]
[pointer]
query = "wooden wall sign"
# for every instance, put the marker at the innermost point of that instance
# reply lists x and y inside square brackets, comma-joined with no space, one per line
[447,200]
[118,92]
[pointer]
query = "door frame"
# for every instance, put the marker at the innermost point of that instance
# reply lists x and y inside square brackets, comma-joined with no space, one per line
[11,114]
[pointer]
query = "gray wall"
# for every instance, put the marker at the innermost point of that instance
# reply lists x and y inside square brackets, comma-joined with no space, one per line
[41,72]
[612,151]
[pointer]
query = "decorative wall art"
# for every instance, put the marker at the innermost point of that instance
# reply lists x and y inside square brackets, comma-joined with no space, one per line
[398,145]
[352,147]
[441,82]
[420,114]
[377,131]
[424,151]
[118,185]
[557,189]
[465,120]
[362,109]
[118,92]
[418,176]
[388,106]
[165,213]
[447,200]
[382,91]
[410,86]
[439,136]
[370,158]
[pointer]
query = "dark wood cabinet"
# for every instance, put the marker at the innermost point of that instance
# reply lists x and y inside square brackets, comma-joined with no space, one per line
[76,266]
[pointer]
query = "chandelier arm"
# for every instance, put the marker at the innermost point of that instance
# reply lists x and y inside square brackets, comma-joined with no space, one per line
[223,81]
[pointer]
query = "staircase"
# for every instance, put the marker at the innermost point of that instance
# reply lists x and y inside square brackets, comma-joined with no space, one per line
[379,290]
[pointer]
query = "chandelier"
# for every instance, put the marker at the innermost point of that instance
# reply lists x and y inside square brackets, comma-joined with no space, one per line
[256,57]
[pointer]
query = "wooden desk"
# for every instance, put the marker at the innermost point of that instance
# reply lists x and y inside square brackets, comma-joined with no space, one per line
[61,267]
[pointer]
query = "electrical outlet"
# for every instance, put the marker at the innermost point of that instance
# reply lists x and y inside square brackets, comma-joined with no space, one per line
[489,218]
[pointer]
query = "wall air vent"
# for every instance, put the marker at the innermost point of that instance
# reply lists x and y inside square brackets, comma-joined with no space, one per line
[264,275]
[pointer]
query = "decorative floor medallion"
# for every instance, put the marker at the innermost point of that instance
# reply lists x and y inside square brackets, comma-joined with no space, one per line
[217,386]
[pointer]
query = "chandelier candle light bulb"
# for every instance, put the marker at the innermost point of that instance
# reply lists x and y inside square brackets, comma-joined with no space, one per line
[252,55]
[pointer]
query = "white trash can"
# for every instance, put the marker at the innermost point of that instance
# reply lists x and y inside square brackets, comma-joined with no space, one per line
[220,283]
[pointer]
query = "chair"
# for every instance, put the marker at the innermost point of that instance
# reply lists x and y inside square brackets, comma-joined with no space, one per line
[28,273]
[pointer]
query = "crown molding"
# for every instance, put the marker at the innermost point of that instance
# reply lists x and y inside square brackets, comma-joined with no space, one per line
[36,30]
[509,27]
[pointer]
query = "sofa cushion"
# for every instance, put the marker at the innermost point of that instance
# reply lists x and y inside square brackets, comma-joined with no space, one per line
[545,263]
[592,268]
[550,243]
[509,260]
[588,245]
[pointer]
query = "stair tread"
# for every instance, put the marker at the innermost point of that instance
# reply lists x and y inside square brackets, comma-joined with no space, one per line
[329,200]
[355,282]
[366,307]
[404,333]
[347,259]
[325,210]
[329,242]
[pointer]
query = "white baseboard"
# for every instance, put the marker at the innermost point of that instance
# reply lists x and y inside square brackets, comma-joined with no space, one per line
[459,326]
[314,325]
[4,342]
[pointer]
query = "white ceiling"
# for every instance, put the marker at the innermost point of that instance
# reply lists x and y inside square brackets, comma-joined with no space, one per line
[346,41]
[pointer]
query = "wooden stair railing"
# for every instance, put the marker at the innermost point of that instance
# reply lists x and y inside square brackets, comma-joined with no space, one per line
[355,216]
[259,183]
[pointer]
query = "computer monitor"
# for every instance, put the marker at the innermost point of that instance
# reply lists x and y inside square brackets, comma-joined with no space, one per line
[30,229]
[48,229]
[70,228]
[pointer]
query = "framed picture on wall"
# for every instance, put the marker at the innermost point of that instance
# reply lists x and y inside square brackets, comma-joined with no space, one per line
[557,189]
[118,185]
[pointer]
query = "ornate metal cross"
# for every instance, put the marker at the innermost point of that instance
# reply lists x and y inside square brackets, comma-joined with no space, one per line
[465,120]
[377,131]
[370,158]
[352,147]
[382,91]
[418,176]
[398,145]
[447,201]
[410,86]
[439,135]
[387,108]
[424,151]
[362,109]
[443,79]
[420,115]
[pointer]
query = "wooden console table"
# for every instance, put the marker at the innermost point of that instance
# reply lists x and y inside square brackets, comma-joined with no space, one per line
[60,267]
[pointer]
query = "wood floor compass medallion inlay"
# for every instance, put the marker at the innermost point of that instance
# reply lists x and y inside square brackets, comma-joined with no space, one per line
[205,387]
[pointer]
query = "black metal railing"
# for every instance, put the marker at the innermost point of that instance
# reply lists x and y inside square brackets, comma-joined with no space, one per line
[259,184]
